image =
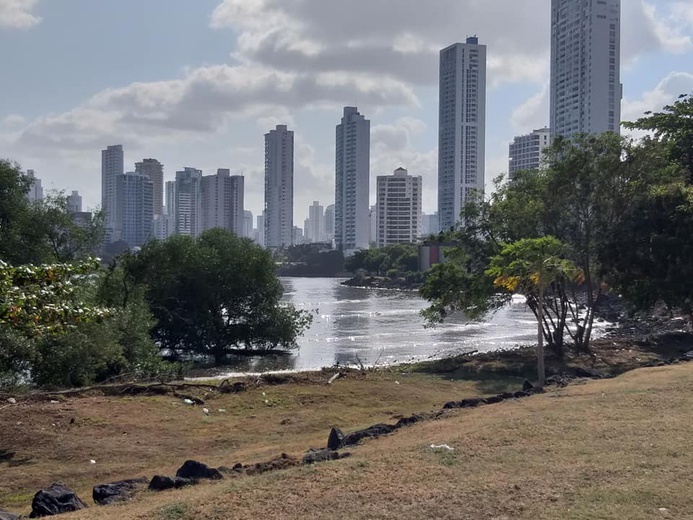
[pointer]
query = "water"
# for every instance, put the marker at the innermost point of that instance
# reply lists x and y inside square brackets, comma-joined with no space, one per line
[353,325]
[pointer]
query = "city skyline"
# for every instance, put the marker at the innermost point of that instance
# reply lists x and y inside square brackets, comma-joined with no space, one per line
[207,104]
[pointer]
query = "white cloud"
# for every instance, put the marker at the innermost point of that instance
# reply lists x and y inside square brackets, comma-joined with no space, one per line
[533,113]
[18,14]
[666,92]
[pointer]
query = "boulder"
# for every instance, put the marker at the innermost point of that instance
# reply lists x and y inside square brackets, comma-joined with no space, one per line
[55,500]
[520,394]
[588,373]
[527,386]
[373,431]
[465,403]
[282,462]
[198,470]
[688,356]
[495,399]
[162,483]
[408,421]
[122,491]
[314,456]
[4,515]
[336,439]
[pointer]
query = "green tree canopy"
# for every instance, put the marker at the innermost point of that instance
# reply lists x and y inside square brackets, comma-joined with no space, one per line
[214,295]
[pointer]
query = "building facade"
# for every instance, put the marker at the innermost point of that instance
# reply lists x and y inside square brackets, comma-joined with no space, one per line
[585,66]
[35,193]
[429,225]
[398,208]
[329,223]
[112,166]
[315,230]
[74,202]
[187,202]
[352,181]
[525,152]
[222,201]
[461,128]
[155,171]
[279,188]
[134,209]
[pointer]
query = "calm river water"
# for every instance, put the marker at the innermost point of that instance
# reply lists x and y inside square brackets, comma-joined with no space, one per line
[352,324]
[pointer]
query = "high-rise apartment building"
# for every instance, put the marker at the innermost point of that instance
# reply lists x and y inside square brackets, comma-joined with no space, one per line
[429,224]
[155,171]
[222,201]
[187,202]
[74,202]
[585,66]
[35,193]
[525,152]
[315,229]
[279,188]
[134,208]
[260,239]
[352,181]
[461,128]
[248,224]
[112,166]
[398,208]
[329,223]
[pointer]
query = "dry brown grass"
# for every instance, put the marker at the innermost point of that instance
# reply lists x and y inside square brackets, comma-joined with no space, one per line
[613,449]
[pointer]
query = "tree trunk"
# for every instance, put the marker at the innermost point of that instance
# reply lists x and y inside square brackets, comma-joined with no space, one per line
[540,338]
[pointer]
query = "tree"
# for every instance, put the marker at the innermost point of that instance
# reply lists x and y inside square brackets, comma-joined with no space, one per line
[587,187]
[673,127]
[214,295]
[530,267]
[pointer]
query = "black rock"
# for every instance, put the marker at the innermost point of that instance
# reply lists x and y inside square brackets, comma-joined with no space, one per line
[314,456]
[413,419]
[451,404]
[495,399]
[122,491]
[587,372]
[162,483]
[4,515]
[688,356]
[506,395]
[198,470]
[55,500]
[472,403]
[558,380]
[520,395]
[527,386]
[336,439]
[374,431]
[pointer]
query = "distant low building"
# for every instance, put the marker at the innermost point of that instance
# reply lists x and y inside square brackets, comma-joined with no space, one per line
[432,253]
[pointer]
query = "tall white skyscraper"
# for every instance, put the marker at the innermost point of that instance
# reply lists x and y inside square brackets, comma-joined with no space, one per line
[134,208]
[188,202]
[112,165]
[585,66]
[329,223]
[155,171]
[352,181]
[248,224]
[279,187]
[398,208]
[461,128]
[261,230]
[222,201]
[525,152]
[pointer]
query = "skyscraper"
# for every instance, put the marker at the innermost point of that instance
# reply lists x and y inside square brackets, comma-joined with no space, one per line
[134,208]
[461,128]
[248,224]
[222,201]
[525,152]
[279,187]
[352,181]
[112,165]
[155,171]
[35,193]
[188,202]
[74,202]
[329,223]
[315,230]
[398,210]
[585,66]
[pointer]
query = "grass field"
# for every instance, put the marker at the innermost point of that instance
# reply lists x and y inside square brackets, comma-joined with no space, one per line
[611,449]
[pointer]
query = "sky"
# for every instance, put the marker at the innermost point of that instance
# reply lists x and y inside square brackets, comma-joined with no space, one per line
[199,82]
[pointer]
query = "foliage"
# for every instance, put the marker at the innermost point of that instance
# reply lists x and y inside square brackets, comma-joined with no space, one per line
[393,260]
[312,260]
[649,251]
[213,295]
[583,193]
[673,127]
[36,300]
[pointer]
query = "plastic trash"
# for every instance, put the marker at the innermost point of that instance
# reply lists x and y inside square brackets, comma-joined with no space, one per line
[12,400]
[188,401]
[205,411]
[441,447]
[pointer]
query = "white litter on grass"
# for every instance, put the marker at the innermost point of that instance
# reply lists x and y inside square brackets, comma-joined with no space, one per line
[441,447]
[54,402]
[92,461]
[396,382]
[188,401]
[221,410]
[205,411]
[12,400]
